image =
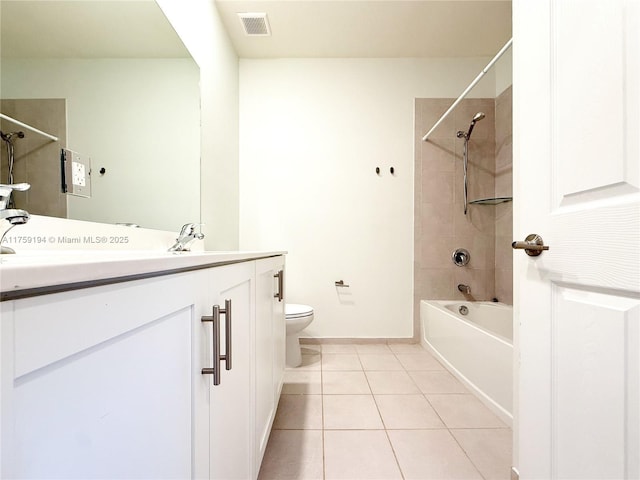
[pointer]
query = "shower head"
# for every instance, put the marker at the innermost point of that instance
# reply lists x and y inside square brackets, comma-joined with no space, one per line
[476,118]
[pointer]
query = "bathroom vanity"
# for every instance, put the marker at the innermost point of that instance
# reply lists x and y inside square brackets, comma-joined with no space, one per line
[107,364]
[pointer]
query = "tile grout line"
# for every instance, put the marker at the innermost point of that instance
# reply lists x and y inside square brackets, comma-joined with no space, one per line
[386,431]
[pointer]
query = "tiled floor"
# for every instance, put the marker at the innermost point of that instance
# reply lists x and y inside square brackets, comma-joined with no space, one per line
[381,412]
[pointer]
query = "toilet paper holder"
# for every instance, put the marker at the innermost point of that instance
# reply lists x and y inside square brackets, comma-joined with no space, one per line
[340,283]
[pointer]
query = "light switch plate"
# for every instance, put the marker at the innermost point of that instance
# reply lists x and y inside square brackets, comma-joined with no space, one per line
[76,173]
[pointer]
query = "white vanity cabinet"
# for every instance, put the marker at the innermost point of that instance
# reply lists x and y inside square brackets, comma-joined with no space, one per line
[97,382]
[107,381]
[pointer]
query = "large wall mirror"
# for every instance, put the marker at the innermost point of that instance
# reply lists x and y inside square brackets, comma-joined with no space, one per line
[114,82]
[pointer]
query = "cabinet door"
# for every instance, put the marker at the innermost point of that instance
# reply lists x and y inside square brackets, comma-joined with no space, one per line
[270,347]
[231,421]
[97,382]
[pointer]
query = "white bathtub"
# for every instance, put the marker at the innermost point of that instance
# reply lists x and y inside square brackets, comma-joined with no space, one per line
[477,348]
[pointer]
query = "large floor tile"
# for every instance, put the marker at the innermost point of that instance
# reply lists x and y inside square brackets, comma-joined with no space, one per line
[299,412]
[359,455]
[340,362]
[437,381]
[344,383]
[302,382]
[490,450]
[431,455]
[382,411]
[407,412]
[357,412]
[419,361]
[392,382]
[464,411]
[293,455]
[380,361]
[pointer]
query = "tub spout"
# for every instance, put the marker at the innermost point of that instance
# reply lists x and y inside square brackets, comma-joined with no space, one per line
[466,289]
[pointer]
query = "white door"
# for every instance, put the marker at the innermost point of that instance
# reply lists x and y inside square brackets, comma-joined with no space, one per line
[577,184]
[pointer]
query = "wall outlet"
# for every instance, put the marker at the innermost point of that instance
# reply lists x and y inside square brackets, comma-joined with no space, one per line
[76,173]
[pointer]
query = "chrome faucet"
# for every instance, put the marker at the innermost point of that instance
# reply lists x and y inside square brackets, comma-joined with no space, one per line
[14,216]
[187,235]
[466,289]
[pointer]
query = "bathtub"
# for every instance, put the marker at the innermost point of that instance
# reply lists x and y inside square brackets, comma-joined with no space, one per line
[477,348]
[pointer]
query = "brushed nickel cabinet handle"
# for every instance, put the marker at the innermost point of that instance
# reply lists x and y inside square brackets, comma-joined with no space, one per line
[227,334]
[280,293]
[215,347]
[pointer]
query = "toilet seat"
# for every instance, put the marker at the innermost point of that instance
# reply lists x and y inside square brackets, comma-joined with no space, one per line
[294,310]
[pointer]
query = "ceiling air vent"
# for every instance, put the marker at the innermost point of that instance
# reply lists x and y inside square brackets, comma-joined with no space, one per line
[255,24]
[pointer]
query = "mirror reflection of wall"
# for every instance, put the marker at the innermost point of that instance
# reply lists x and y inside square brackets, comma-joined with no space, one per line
[131,99]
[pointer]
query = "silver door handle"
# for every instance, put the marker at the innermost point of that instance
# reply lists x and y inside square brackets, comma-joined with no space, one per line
[533,245]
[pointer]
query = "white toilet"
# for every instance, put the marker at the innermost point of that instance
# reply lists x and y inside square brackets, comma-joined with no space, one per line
[297,317]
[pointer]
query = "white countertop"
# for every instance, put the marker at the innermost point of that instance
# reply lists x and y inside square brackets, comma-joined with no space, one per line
[42,269]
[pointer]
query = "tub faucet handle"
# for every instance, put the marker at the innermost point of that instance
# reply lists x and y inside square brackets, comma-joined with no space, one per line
[466,289]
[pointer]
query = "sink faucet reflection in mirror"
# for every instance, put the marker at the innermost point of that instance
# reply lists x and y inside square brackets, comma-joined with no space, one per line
[187,235]
[14,216]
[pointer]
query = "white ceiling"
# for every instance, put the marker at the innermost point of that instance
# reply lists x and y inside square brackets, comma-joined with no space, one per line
[300,28]
[371,28]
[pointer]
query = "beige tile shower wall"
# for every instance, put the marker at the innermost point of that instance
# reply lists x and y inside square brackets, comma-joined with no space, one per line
[37,158]
[503,185]
[440,223]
